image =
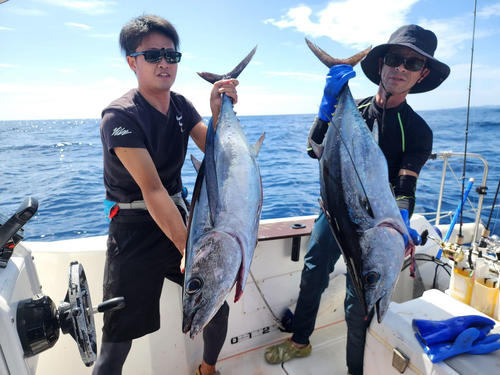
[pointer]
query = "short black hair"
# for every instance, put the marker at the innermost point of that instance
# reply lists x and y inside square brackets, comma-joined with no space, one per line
[138,28]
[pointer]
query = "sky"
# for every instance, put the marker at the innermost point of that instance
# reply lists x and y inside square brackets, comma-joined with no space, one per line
[60,59]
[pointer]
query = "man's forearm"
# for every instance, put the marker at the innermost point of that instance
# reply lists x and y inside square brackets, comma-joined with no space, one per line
[167,216]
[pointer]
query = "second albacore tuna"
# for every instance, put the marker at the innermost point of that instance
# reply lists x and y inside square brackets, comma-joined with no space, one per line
[358,201]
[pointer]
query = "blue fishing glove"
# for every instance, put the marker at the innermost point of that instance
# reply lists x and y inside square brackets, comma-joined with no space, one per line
[336,79]
[439,331]
[467,342]
[415,237]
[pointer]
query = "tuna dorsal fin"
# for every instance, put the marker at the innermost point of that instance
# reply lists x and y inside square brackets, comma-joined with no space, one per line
[196,164]
[375,131]
[329,61]
[258,144]
[212,77]
[318,149]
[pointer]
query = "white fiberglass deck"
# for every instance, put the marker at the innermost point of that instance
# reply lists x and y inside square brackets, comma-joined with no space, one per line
[327,357]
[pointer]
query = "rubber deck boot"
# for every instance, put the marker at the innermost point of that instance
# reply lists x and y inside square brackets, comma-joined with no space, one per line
[198,372]
[286,351]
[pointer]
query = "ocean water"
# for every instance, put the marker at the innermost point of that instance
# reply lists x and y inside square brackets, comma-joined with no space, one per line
[59,162]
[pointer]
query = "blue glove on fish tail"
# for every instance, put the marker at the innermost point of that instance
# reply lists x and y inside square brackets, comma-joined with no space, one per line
[336,79]
[438,331]
[415,237]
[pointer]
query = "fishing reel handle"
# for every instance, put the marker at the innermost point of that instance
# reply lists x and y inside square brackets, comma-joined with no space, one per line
[110,305]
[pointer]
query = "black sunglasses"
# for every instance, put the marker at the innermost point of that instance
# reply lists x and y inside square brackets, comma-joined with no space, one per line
[154,56]
[412,64]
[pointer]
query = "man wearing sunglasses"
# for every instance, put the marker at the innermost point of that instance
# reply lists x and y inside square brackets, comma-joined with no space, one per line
[405,64]
[145,135]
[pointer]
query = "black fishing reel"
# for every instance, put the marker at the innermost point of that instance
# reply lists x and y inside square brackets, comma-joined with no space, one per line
[39,320]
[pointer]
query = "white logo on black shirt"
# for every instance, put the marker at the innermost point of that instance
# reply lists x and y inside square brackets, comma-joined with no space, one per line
[120,131]
[179,118]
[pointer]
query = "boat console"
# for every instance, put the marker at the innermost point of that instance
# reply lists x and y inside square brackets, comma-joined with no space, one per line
[30,321]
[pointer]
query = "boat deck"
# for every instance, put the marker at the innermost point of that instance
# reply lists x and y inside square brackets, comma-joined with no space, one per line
[327,357]
[276,272]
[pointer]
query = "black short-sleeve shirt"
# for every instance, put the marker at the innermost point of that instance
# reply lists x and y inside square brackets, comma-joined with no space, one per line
[131,121]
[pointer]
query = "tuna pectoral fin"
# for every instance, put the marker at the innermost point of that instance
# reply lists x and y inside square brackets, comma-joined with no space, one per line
[240,284]
[317,149]
[258,144]
[238,293]
[196,164]
[212,78]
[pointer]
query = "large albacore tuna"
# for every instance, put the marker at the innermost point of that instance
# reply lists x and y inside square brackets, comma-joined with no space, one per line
[358,201]
[225,215]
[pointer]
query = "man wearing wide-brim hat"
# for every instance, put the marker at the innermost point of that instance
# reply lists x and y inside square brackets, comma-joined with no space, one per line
[405,64]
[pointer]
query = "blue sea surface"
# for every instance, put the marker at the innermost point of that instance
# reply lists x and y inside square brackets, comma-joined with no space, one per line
[59,162]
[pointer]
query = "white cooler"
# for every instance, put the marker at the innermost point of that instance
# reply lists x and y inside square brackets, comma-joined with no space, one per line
[391,347]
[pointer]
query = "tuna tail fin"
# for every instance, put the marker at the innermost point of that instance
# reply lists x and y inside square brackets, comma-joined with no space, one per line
[212,77]
[329,61]
[258,144]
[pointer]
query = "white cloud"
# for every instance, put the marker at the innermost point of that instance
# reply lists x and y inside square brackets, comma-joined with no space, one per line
[28,12]
[5,28]
[256,63]
[8,66]
[92,7]
[489,11]
[454,35]
[67,70]
[78,25]
[344,23]
[59,100]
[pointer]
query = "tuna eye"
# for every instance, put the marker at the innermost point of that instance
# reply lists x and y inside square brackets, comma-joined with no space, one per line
[194,285]
[371,278]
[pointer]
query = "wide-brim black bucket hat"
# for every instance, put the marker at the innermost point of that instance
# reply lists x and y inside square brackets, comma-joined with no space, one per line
[418,39]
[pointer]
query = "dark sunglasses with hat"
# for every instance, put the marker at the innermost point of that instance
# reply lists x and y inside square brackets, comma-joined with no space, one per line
[419,40]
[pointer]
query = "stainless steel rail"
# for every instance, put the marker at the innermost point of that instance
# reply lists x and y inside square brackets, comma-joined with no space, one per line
[445,156]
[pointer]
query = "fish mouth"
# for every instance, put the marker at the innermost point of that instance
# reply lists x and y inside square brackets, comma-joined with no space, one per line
[188,322]
[380,314]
